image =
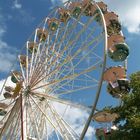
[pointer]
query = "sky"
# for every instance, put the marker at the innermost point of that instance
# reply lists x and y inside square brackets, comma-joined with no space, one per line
[19,18]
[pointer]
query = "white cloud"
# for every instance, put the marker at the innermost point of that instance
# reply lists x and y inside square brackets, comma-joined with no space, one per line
[6,61]
[25,17]
[16,5]
[6,58]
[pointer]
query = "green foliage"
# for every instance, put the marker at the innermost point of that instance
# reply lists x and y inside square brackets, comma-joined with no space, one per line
[129,112]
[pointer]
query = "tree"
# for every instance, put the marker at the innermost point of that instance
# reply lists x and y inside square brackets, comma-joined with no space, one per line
[128,121]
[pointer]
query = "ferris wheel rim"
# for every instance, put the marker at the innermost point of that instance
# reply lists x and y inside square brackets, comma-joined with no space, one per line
[101,79]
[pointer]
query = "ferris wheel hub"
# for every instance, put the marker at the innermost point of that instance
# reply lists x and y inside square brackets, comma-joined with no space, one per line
[27,90]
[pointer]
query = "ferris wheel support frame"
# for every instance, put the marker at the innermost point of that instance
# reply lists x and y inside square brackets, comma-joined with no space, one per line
[101,79]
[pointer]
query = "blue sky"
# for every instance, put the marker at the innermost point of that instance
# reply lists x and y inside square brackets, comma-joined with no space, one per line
[19,18]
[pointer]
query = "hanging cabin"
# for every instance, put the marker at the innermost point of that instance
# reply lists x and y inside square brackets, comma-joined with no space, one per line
[3,107]
[117,48]
[64,15]
[15,76]
[76,9]
[42,35]
[112,23]
[118,84]
[32,47]
[104,117]
[53,24]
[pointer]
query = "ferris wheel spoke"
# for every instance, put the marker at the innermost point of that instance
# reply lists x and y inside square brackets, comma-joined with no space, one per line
[82,58]
[77,37]
[33,53]
[42,125]
[54,52]
[9,108]
[57,136]
[39,62]
[59,45]
[91,78]
[73,91]
[50,37]
[38,121]
[13,131]
[40,52]
[27,65]
[67,77]
[96,55]
[83,24]
[56,87]
[61,123]
[6,115]
[67,60]
[10,117]
[33,123]
[41,59]
[39,55]
[77,63]
[46,116]
[32,60]
[23,75]
[35,40]
[62,101]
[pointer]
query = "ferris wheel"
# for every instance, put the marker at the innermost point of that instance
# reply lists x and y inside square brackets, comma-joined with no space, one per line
[53,90]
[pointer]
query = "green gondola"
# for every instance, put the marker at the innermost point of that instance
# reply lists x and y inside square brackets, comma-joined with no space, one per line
[53,26]
[121,52]
[76,12]
[14,79]
[2,112]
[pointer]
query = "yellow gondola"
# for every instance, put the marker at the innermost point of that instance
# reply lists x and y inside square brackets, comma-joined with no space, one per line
[64,14]
[32,46]
[41,34]
[17,89]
